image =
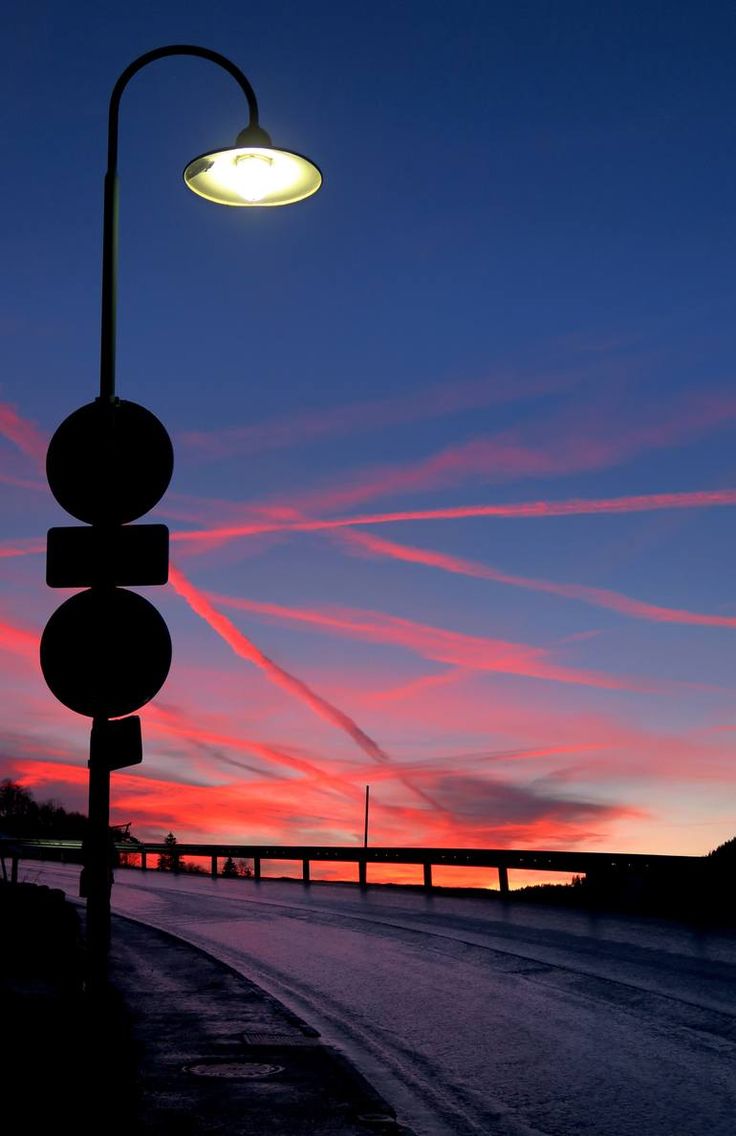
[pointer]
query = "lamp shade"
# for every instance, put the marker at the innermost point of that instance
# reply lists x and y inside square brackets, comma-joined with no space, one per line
[253,176]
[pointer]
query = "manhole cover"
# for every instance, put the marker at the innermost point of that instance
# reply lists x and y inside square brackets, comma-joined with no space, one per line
[234,1069]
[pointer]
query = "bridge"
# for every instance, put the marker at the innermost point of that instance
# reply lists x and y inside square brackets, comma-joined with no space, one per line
[589,864]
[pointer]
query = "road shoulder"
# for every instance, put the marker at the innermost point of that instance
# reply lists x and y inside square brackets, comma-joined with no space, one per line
[215,1053]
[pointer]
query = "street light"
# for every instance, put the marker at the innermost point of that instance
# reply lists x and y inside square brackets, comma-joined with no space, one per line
[252,173]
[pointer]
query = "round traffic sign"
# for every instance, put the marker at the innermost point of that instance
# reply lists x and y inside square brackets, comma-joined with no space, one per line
[105,652]
[109,462]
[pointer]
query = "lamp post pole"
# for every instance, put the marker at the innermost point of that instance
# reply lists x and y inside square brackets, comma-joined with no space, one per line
[99,856]
[252,173]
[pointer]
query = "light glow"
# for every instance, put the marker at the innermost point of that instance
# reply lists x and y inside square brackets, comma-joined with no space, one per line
[253,176]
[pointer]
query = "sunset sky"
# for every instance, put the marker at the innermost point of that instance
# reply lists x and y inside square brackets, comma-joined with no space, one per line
[453,506]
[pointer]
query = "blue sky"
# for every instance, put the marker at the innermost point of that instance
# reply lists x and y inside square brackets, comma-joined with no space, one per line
[516,286]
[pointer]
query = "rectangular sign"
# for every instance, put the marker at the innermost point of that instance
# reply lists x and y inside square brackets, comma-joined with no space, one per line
[83,556]
[117,743]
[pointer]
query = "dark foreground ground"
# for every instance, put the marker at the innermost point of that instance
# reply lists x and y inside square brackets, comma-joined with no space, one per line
[180,1045]
[60,1054]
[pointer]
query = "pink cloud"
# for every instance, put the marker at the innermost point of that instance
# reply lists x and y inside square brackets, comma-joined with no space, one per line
[31,547]
[442,764]
[607,748]
[7,478]
[243,647]
[23,434]
[420,685]
[175,723]
[439,400]
[286,521]
[577,506]
[598,597]
[441,645]
[283,520]
[585,437]
[19,640]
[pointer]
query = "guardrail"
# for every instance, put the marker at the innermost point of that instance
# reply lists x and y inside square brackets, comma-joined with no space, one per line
[500,859]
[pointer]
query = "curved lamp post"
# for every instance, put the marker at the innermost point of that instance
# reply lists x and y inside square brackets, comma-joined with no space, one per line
[252,173]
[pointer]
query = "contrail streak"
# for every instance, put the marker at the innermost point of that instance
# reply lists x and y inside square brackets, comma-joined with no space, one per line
[243,647]
[22,548]
[470,652]
[597,597]
[168,722]
[22,433]
[578,506]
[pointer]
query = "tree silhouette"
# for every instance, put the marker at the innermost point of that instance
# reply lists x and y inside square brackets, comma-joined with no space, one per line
[21,815]
[168,860]
[725,854]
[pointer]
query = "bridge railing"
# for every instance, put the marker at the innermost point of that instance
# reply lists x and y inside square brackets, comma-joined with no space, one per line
[500,859]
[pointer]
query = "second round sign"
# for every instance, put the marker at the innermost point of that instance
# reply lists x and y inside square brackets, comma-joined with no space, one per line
[105,652]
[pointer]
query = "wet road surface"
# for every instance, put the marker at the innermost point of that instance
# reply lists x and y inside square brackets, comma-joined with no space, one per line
[478,1017]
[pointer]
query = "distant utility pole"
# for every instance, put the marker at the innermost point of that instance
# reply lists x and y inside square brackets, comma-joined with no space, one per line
[367,797]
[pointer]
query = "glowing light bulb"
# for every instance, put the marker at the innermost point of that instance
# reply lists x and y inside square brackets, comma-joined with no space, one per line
[253,176]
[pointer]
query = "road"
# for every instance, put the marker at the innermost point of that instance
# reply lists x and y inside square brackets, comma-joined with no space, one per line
[474,1017]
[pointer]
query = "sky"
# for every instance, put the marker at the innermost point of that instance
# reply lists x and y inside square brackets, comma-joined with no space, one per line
[453,505]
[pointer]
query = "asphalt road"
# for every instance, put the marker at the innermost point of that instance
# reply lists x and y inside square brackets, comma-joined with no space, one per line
[477,1017]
